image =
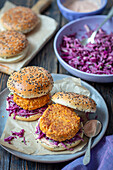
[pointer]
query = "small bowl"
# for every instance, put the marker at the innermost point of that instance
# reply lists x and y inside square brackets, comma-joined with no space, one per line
[72,15]
[77,27]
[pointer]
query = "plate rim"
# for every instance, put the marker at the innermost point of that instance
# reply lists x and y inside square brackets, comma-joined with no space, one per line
[75,155]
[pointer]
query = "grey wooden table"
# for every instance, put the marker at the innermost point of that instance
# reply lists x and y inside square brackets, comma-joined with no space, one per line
[46,58]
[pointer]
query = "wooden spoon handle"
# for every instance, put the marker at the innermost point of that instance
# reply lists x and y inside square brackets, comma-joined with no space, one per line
[6,69]
[41,5]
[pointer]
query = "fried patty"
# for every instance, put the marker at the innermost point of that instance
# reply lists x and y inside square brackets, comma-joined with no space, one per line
[59,122]
[31,104]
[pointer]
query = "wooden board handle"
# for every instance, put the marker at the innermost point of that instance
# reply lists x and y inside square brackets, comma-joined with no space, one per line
[41,5]
[6,69]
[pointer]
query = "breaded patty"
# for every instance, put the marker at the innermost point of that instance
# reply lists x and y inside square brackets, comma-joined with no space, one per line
[31,104]
[59,122]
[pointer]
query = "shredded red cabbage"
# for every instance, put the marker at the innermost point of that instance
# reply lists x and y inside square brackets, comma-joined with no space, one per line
[75,138]
[71,149]
[93,58]
[9,139]
[19,134]
[17,110]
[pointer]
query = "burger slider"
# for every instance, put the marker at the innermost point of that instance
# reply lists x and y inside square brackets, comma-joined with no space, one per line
[20,19]
[30,87]
[60,127]
[13,46]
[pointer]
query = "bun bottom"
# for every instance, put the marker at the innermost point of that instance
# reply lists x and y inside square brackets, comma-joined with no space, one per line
[16,58]
[52,147]
[27,119]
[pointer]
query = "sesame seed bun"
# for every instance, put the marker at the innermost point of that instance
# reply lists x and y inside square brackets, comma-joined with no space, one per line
[75,101]
[12,44]
[30,82]
[20,19]
[27,119]
[16,58]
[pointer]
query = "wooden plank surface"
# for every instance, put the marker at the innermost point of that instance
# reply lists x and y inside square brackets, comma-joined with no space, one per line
[46,58]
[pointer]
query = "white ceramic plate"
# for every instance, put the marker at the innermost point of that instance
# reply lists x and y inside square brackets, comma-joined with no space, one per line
[102,113]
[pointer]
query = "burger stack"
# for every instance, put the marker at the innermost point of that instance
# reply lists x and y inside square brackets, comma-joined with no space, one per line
[58,127]
[13,43]
[30,88]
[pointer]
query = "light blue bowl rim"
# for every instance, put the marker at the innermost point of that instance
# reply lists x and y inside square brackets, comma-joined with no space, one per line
[56,52]
[74,12]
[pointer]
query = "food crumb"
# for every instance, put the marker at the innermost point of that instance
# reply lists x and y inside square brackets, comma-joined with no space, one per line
[2,116]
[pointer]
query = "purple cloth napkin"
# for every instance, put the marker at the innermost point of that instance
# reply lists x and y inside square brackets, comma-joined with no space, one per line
[101,157]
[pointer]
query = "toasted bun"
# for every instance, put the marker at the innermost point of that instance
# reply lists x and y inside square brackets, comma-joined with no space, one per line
[16,58]
[47,144]
[30,82]
[75,101]
[12,43]
[20,19]
[28,119]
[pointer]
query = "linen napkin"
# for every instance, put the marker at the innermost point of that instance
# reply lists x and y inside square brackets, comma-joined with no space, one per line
[101,157]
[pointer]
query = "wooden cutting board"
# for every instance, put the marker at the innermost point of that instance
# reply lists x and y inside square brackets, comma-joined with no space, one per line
[43,34]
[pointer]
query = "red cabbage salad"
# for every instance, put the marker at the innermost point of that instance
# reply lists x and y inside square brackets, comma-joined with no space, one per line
[93,58]
[13,108]
[53,142]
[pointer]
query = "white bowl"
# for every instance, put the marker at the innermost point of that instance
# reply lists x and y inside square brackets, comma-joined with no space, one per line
[77,26]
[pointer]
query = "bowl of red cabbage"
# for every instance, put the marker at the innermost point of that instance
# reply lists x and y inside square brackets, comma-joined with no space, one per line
[92,62]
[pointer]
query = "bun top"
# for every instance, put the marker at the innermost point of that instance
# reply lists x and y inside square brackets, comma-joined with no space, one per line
[30,82]
[75,101]
[12,43]
[20,19]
